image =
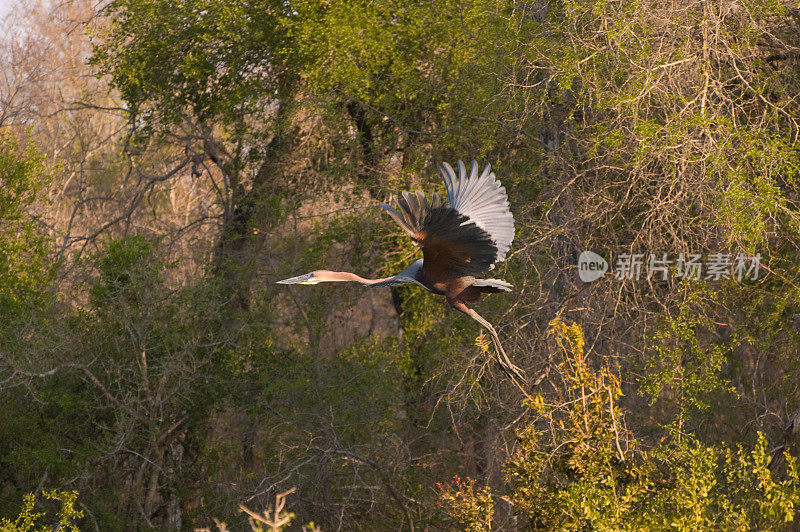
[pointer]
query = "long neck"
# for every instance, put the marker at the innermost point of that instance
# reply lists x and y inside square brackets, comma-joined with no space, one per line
[329,276]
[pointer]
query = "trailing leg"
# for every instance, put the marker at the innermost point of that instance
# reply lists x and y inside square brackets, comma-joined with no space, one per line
[514,373]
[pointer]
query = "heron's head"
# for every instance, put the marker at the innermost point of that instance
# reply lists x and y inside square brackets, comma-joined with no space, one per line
[306,278]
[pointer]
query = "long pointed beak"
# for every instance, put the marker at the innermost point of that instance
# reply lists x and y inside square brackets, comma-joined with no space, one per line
[307,278]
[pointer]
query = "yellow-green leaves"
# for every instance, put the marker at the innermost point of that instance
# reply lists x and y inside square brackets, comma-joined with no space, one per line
[577,467]
[31,520]
[23,245]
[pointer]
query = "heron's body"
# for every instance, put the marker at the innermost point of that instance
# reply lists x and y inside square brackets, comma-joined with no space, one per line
[460,240]
[457,289]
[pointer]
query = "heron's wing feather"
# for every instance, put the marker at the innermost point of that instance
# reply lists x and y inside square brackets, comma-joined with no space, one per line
[397,217]
[483,200]
[411,210]
[453,244]
[450,242]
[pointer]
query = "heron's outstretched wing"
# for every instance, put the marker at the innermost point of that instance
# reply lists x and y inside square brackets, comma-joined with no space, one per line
[451,243]
[483,201]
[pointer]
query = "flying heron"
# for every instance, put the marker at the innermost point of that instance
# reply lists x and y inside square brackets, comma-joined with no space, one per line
[461,240]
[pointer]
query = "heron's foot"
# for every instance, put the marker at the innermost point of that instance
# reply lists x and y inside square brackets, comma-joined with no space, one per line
[514,370]
[506,363]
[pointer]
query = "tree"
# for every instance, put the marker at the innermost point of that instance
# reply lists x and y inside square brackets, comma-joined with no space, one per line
[28,519]
[224,144]
[578,466]
[207,77]
[24,270]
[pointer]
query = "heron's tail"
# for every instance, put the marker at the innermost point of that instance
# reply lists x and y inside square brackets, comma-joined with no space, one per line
[493,284]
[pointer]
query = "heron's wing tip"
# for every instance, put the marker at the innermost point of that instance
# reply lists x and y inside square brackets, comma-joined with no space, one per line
[481,198]
[405,217]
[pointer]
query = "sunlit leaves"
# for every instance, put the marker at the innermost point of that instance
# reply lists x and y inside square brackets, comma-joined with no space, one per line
[24,270]
[199,60]
[588,471]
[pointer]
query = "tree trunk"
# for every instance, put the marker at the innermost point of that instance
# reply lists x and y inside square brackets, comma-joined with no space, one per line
[240,240]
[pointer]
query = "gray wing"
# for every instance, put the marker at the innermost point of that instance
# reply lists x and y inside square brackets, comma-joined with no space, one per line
[483,201]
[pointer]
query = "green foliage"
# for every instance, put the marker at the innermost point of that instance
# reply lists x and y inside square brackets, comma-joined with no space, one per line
[472,508]
[584,470]
[701,487]
[24,270]
[427,74]
[31,520]
[652,112]
[681,370]
[610,123]
[574,476]
[141,380]
[29,445]
[125,266]
[753,201]
[197,60]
